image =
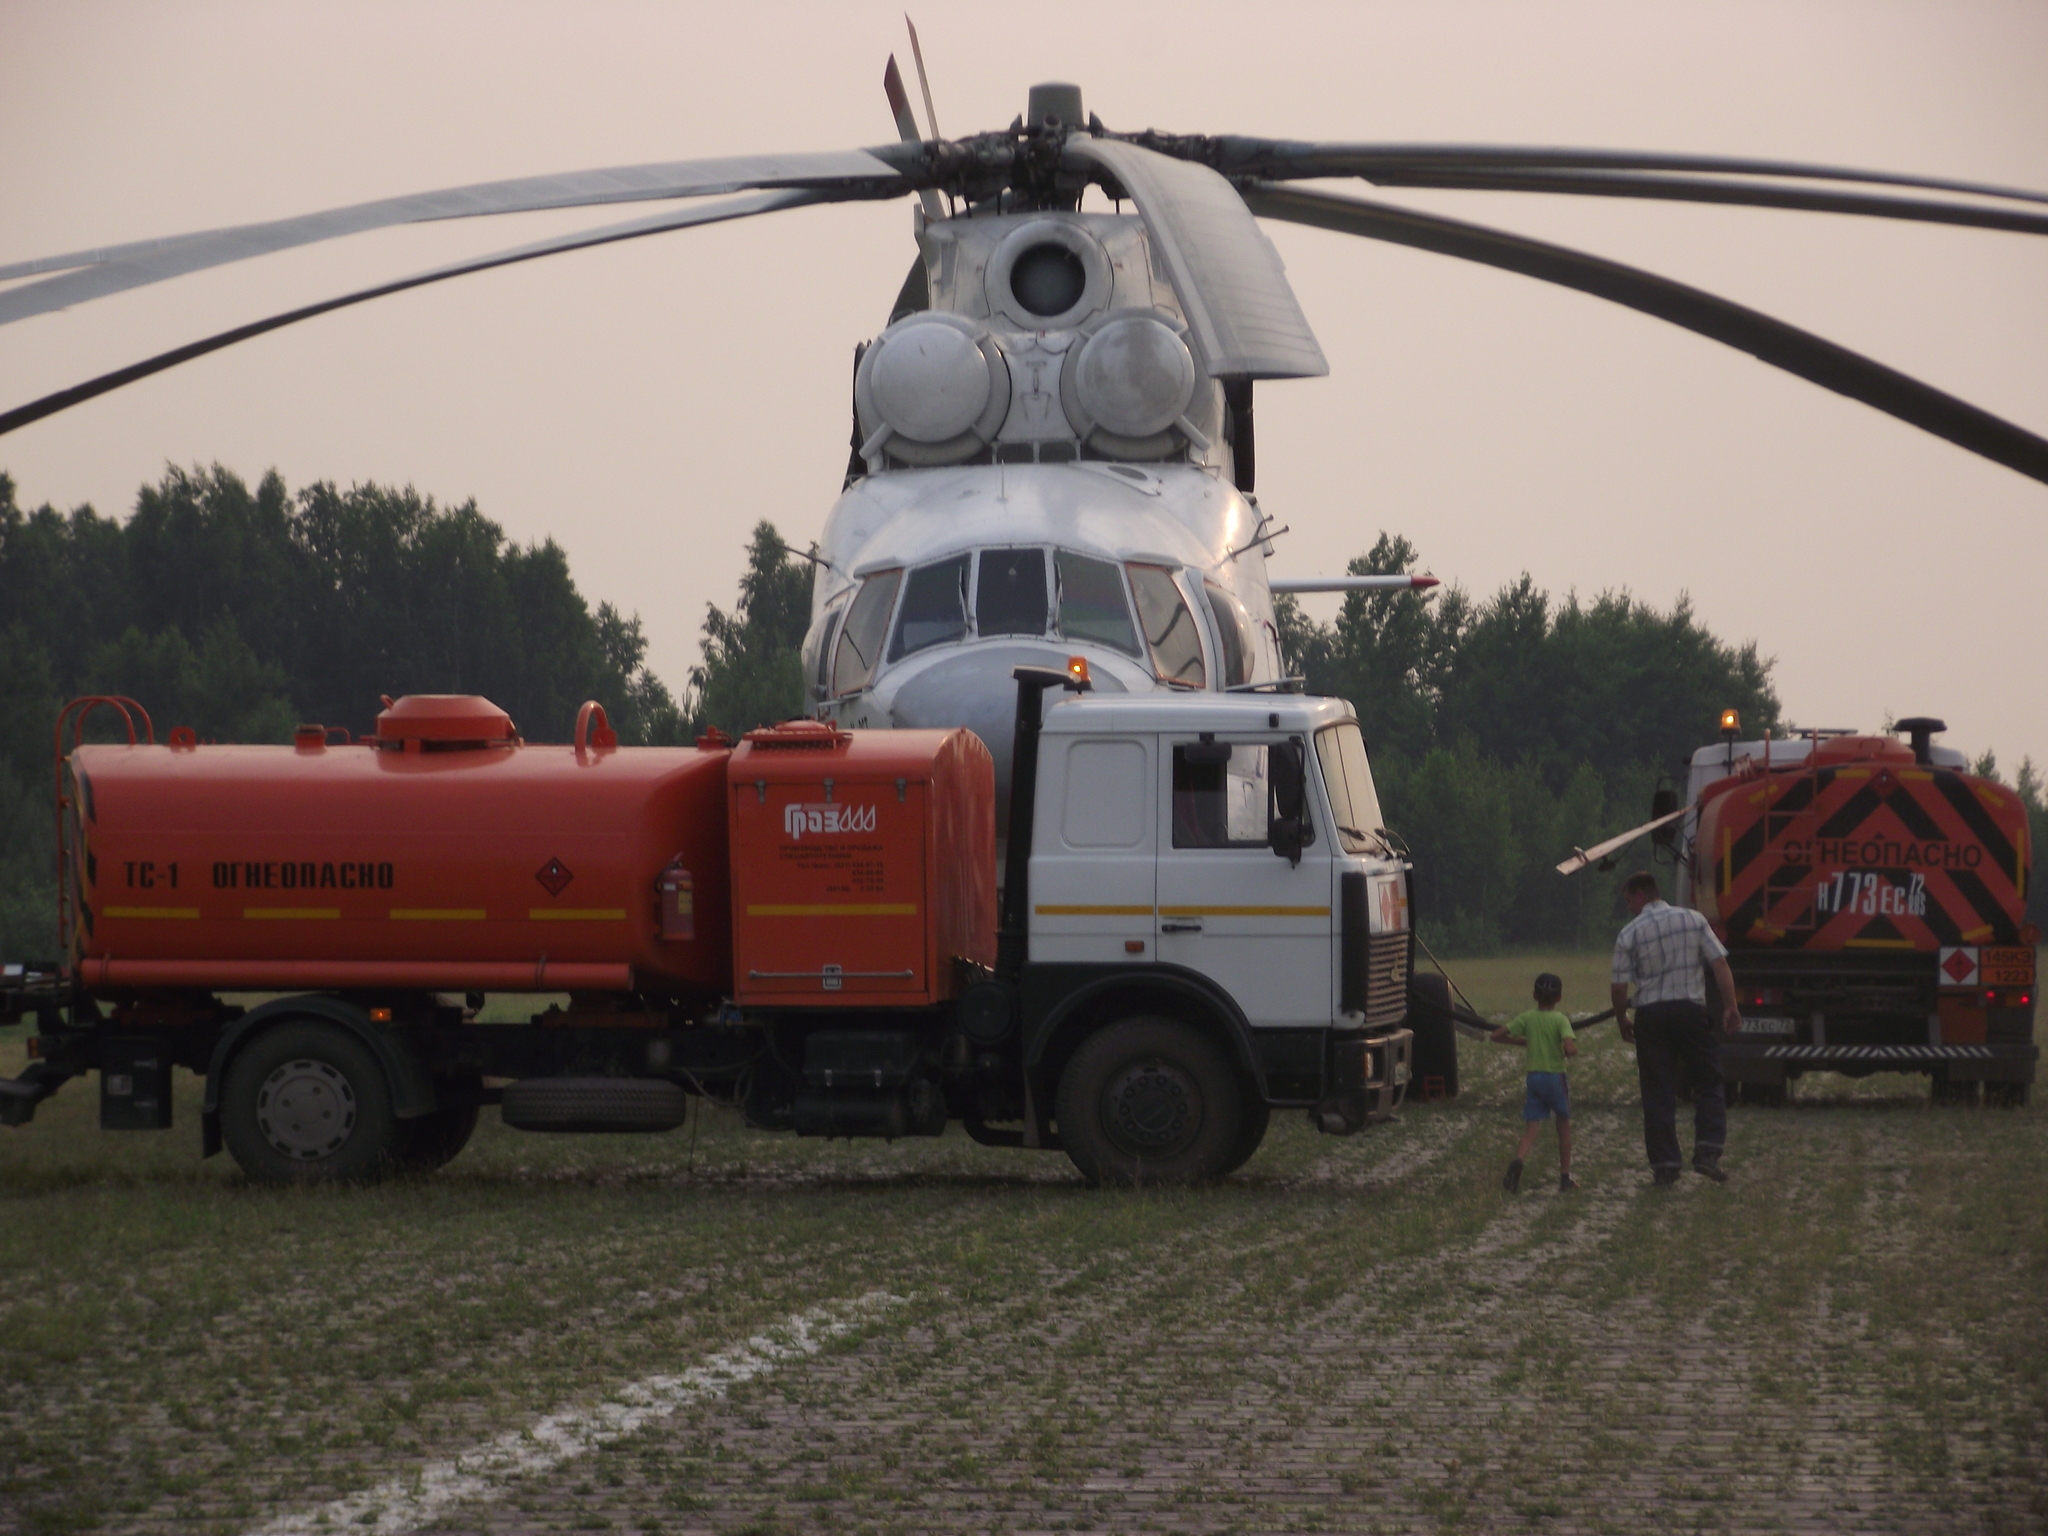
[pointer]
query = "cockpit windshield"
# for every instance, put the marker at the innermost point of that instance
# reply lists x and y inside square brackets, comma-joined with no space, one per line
[934,608]
[1347,776]
[1092,603]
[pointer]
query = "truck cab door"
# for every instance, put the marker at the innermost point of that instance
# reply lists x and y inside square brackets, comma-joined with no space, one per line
[1091,857]
[1231,906]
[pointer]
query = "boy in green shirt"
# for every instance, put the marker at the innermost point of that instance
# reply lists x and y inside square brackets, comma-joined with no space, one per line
[1547,1035]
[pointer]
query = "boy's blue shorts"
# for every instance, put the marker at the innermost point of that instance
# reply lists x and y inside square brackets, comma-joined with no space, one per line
[1549,1094]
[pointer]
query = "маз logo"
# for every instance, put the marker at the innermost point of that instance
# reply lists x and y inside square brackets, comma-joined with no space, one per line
[800,820]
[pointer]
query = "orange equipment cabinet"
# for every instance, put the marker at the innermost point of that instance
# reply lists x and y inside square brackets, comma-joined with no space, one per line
[443,854]
[862,865]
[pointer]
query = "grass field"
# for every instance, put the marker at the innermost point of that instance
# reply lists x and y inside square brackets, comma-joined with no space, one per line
[1351,1335]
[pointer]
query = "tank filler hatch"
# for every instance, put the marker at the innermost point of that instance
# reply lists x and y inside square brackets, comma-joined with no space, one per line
[443,722]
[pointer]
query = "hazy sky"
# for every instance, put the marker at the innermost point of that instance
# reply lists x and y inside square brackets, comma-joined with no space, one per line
[647,403]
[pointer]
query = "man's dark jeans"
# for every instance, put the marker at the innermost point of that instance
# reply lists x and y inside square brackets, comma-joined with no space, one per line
[1674,1039]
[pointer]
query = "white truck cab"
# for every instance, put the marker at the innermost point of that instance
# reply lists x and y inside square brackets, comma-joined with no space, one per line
[1211,867]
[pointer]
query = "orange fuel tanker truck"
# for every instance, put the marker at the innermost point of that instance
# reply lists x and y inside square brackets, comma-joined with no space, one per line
[1201,922]
[1872,894]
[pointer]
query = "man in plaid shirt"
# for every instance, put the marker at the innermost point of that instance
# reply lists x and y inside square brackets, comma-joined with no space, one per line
[1665,952]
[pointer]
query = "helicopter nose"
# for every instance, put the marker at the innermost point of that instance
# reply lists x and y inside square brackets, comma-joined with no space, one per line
[974,688]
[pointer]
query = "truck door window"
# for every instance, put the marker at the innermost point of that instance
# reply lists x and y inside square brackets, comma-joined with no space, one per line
[1347,777]
[860,637]
[1092,603]
[1219,801]
[934,608]
[1169,627]
[1009,592]
[1234,630]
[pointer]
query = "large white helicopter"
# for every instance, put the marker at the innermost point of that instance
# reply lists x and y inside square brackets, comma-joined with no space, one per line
[1053,448]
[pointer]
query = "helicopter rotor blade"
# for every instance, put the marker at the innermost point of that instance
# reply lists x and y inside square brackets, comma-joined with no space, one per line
[838,176]
[906,129]
[1698,189]
[654,224]
[1294,160]
[1226,273]
[924,84]
[1769,340]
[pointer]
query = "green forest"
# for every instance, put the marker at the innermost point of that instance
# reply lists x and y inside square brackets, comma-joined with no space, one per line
[1504,731]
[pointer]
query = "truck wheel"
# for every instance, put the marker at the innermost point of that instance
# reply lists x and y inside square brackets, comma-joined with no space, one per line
[1149,1101]
[433,1140]
[595,1104]
[1944,1089]
[1435,1053]
[307,1103]
[1255,1114]
[2005,1095]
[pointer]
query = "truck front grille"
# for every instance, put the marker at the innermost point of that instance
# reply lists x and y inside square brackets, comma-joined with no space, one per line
[1386,994]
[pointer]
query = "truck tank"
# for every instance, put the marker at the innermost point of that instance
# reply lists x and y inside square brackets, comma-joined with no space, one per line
[444,853]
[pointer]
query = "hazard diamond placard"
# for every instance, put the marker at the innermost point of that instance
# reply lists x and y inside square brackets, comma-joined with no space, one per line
[1958,965]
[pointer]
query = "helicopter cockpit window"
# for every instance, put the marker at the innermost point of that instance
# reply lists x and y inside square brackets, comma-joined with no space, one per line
[1009,592]
[860,636]
[1234,629]
[1092,603]
[1169,627]
[818,652]
[934,608]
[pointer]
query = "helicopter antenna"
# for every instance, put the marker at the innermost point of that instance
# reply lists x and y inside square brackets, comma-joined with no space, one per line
[906,128]
[931,113]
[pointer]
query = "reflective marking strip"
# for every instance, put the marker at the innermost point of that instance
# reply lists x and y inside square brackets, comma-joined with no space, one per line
[437,914]
[187,912]
[1875,1052]
[425,1494]
[1082,911]
[266,913]
[886,909]
[1207,911]
[1877,944]
[578,914]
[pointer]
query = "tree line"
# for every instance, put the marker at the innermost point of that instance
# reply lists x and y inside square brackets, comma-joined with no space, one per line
[1504,731]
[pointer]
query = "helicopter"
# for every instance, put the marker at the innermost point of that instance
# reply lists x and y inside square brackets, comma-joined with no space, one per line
[1053,436]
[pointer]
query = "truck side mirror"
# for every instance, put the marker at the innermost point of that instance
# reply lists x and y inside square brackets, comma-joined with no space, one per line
[1288,827]
[1663,803]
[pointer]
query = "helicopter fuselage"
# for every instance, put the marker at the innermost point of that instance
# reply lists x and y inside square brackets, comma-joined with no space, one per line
[1043,468]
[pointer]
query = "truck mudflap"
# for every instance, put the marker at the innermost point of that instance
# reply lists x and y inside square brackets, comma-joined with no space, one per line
[1998,1062]
[1368,1079]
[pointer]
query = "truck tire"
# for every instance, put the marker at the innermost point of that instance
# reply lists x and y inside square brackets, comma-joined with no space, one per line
[307,1103]
[2006,1095]
[1943,1089]
[434,1139]
[1150,1101]
[1255,1115]
[595,1104]
[1435,1053]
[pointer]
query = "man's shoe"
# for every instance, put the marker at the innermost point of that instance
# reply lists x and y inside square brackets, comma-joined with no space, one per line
[1566,1183]
[1709,1168]
[1511,1181]
[1665,1177]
